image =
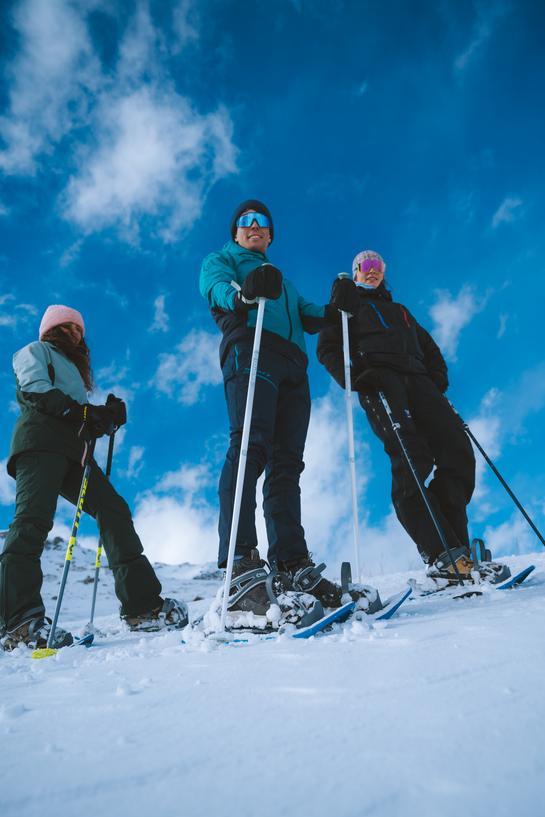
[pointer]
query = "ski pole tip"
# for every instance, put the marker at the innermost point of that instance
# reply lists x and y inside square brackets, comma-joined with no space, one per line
[44,652]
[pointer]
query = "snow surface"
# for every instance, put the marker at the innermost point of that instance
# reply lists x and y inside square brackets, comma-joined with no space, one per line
[437,712]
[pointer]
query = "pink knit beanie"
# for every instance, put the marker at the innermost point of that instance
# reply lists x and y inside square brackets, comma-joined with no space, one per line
[57,314]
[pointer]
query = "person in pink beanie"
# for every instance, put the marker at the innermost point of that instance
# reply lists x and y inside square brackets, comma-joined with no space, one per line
[53,376]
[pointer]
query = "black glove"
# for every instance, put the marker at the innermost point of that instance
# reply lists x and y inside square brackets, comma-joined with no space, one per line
[440,379]
[118,408]
[344,296]
[368,382]
[264,281]
[100,421]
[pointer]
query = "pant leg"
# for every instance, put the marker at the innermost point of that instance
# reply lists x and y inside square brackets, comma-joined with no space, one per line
[39,476]
[453,481]
[281,491]
[409,505]
[236,372]
[136,585]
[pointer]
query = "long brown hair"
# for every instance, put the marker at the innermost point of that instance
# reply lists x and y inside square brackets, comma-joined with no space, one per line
[79,355]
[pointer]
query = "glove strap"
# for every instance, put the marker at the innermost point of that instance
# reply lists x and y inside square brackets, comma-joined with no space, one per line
[241,296]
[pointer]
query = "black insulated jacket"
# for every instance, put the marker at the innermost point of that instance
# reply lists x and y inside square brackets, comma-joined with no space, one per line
[383,334]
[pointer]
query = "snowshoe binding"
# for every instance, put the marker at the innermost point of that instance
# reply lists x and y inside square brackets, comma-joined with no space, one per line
[34,633]
[173,615]
[367,598]
[262,600]
[307,577]
[442,573]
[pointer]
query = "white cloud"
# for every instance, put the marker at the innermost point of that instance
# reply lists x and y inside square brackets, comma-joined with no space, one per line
[50,80]
[13,314]
[136,461]
[189,479]
[185,23]
[480,36]
[451,314]
[502,325]
[193,366]
[508,211]
[501,416]
[7,485]
[155,157]
[180,526]
[160,317]
[511,537]
[482,30]
[142,151]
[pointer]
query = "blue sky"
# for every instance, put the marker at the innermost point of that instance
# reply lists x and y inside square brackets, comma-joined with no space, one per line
[130,130]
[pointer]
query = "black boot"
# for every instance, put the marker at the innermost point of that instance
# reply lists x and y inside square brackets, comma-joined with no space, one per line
[307,578]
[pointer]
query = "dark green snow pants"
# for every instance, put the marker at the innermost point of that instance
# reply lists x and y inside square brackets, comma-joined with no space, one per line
[41,476]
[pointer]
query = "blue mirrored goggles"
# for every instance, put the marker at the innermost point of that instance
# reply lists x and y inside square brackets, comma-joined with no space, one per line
[248,219]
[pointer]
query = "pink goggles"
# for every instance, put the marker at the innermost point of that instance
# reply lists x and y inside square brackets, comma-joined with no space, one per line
[371,264]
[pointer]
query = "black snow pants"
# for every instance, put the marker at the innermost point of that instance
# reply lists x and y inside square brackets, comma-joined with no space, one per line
[434,437]
[41,476]
[281,414]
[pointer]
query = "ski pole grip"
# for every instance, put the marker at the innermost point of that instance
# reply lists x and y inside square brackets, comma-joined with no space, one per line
[343,275]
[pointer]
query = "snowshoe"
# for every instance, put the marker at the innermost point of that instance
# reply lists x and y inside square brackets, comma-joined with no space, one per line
[261,600]
[173,615]
[34,633]
[442,572]
[367,598]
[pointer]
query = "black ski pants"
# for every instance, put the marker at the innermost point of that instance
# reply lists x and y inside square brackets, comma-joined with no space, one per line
[280,418]
[434,437]
[41,476]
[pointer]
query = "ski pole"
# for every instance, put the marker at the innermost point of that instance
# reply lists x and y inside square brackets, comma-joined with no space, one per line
[350,432]
[242,459]
[87,463]
[499,476]
[396,429]
[89,626]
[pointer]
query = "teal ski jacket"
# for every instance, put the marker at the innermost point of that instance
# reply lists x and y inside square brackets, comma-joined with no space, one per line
[285,320]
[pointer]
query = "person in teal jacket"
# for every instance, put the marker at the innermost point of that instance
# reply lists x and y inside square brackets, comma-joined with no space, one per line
[231,280]
[56,423]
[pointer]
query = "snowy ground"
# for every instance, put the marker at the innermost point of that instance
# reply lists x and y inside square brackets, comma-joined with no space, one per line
[440,712]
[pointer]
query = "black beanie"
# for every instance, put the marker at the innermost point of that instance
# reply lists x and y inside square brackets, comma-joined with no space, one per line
[251,204]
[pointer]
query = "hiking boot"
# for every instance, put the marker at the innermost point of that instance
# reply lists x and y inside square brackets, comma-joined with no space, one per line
[261,600]
[34,634]
[172,615]
[492,572]
[248,592]
[307,578]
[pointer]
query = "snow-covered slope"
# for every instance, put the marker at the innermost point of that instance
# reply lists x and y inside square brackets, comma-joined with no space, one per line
[439,712]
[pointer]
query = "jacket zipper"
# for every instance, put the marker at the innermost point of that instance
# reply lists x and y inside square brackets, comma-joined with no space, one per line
[288,310]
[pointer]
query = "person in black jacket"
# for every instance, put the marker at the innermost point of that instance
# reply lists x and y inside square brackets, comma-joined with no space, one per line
[392,353]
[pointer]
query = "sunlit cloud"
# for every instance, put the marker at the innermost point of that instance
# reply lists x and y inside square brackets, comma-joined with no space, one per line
[451,314]
[194,365]
[136,152]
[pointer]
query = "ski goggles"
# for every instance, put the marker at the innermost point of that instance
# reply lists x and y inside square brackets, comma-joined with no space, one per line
[248,219]
[369,264]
